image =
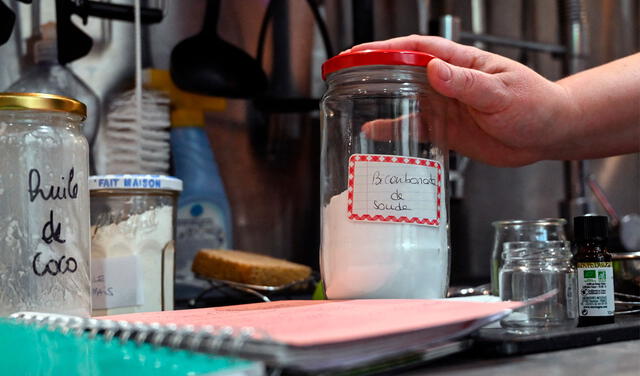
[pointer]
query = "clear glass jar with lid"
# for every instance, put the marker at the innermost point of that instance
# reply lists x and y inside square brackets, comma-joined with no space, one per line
[44,205]
[132,242]
[534,268]
[384,172]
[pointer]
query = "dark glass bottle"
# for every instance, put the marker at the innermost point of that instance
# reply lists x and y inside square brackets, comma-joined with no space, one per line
[595,271]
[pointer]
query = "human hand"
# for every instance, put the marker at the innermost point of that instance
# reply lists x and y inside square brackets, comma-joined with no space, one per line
[504,113]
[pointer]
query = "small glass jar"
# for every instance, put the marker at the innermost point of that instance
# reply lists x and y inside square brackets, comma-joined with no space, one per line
[44,205]
[521,230]
[384,172]
[132,242]
[532,269]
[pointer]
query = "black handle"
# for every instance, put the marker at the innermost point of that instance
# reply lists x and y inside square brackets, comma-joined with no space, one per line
[322,26]
[281,75]
[362,21]
[211,15]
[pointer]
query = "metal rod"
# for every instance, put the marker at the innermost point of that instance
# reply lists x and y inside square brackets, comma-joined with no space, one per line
[479,20]
[574,178]
[511,42]
[574,35]
[450,27]
[424,14]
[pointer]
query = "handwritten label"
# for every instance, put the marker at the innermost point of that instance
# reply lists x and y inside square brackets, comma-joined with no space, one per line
[390,188]
[52,230]
[53,192]
[116,282]
[54,266]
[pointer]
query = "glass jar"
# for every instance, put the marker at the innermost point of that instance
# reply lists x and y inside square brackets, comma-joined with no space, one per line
[519,230]
[384,172]
[44,205]
[535,268]
[132,242]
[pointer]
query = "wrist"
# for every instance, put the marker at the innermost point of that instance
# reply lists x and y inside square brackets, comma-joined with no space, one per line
[566,117]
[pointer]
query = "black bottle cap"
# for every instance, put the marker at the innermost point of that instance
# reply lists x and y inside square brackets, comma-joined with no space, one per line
[590,227]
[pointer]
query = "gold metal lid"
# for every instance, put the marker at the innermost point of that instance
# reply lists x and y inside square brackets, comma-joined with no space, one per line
[42,102]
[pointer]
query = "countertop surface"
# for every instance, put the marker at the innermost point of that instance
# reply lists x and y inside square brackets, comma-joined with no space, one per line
[618,358]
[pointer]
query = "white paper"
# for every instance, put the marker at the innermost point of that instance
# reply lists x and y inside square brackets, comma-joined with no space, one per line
[391,188]
[116,282]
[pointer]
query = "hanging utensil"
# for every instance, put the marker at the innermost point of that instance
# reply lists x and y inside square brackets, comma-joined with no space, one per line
[7,20]
[209,65]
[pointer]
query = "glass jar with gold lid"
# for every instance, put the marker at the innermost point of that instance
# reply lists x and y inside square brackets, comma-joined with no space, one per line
[44,205]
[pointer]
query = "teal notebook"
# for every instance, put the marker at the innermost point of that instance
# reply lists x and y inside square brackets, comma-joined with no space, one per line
[39,350]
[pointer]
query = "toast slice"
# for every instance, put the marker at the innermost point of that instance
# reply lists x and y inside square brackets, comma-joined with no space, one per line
[247,267]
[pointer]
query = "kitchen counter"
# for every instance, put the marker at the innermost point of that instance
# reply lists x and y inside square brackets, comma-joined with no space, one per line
[618,358]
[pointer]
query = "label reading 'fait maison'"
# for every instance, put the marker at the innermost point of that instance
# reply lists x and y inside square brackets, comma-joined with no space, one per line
[391,188]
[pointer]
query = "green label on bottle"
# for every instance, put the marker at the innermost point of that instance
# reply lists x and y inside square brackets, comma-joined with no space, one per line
[595,289]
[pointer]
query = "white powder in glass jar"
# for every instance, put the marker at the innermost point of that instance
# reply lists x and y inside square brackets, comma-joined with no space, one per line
[372,260]
[143,239]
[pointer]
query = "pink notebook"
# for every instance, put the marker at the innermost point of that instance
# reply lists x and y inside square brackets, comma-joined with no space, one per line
[319,322]
[329,335]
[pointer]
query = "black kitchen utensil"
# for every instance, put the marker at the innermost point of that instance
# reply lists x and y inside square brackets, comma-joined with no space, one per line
[7,20]
[73,43]
[208,65]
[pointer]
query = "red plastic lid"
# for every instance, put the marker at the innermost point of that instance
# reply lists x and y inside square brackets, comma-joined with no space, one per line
[374,57]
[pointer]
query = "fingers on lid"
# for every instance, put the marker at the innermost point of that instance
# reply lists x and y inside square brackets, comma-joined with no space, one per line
[454,53]
[482,91]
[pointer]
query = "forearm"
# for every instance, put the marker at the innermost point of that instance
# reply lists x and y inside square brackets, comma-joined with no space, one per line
[603,114]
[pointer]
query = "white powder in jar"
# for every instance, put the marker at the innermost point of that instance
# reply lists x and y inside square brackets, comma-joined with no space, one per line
[373,260]
[146,237]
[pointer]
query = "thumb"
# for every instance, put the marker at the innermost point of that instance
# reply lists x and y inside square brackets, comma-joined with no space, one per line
[482,91]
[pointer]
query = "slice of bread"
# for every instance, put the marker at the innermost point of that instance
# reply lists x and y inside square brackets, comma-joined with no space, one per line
[247,267]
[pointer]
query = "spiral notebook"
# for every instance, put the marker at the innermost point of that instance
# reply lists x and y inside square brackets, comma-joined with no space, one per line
[305,336]
[29,348]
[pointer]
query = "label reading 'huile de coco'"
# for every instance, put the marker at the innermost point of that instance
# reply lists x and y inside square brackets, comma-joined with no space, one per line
[52,229]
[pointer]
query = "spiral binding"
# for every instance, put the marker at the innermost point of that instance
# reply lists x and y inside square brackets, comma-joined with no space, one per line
[224,340]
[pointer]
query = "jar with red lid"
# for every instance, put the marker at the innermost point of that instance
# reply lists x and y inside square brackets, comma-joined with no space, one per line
[384,173]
